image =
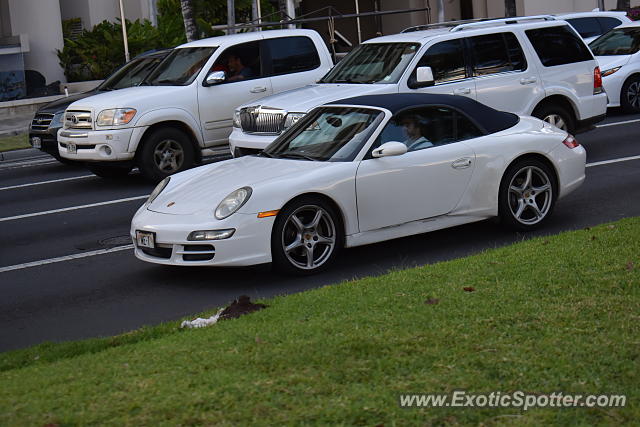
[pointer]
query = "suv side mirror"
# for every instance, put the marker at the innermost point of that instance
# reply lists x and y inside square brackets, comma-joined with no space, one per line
[391,148]
[215,77]
[423,78]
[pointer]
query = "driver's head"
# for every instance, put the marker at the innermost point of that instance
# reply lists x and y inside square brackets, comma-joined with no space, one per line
[235,62]
[410,126]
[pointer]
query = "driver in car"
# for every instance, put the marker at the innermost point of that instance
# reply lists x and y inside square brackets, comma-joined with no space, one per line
[412,128]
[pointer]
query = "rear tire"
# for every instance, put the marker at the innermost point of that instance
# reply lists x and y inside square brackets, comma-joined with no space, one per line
[110,172]
[164,152]
[630,95]
[527,195]
[557,116]
[307,236]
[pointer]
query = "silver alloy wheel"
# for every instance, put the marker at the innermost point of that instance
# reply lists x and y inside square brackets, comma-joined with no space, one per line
[633,94]
[556,120]
[308,237]
[168,156]
[530,195]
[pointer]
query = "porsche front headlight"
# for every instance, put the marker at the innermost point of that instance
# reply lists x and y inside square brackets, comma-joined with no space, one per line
[156,191]
[115,116]
[234,201]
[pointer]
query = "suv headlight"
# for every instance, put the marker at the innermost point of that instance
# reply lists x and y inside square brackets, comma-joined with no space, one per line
[234,201]
[292,119]
[156,191]
[236,119]
[115,116]
[56,121]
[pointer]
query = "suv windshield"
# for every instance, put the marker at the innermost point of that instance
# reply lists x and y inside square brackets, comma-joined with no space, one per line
[334,134]
[180,67]
[373,63]
[622,41]
[131,74]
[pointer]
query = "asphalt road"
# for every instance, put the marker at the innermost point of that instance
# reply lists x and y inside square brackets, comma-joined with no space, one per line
[102,289]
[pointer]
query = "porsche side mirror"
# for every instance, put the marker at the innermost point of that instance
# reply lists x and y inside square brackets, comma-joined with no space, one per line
[423,78]
[215,77]
[391,148]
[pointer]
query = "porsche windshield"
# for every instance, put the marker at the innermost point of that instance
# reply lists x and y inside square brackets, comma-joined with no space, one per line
[334,134]
[373,63]
[621,41]
[180,67]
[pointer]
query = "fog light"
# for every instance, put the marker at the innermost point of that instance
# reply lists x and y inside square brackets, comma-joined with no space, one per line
[107,150]
[211,234]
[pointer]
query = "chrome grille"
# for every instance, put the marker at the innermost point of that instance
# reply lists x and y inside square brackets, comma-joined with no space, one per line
[263,120]
[41,121]
[77,119]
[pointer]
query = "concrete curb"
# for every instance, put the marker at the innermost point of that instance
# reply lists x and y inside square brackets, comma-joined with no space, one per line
[24,154]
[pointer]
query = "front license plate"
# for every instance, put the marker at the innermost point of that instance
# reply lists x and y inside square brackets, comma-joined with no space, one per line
[145,239]
[71,148]
[36,142]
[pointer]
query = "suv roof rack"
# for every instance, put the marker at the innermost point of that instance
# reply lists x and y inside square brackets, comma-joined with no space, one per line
[503,21]
[444,24]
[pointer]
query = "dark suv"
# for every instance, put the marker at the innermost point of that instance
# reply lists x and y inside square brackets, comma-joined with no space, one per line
[48,119]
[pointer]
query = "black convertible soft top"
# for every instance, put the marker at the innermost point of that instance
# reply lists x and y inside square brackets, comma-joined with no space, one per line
[488,119]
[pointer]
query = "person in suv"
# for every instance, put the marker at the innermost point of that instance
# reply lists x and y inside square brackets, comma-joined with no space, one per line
[48,119]
[530,66]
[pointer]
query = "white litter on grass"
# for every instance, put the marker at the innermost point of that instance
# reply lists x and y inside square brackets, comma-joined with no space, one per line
[200,322]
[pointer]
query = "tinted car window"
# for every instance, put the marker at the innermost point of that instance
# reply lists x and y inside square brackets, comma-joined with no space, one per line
[240,62]
[586,27]
[422,128]
[180,67]
[292,55]
[446,60]
[132,74]
[621,41]
[607,23]
[558,45]
[492,54]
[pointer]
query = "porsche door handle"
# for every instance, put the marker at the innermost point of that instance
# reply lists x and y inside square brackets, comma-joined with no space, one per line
[462,91]
[528,80]
[461,163]
[258,89]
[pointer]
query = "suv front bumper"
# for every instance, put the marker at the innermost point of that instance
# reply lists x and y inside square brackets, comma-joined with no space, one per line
[241,140]
[98,145]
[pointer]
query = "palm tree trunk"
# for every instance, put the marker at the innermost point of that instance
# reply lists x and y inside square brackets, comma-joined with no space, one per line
[509,8]
[623,4]
[188,16]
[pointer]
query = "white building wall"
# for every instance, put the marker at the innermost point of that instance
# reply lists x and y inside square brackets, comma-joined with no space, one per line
[40,19]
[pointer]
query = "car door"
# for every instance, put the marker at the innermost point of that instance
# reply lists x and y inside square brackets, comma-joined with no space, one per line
[217,103]
[451,73]
[293,62]
[427,181]
[502,76]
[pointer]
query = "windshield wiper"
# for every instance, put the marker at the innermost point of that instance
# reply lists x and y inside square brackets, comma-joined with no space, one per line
[265,154]
[292,155]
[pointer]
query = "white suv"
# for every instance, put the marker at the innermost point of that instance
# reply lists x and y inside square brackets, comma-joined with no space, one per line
[530,66]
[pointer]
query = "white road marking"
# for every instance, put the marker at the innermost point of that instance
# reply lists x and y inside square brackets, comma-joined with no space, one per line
[73,208]
[606,162]
[46,182]
[64,258]
[22,164]
[618,123]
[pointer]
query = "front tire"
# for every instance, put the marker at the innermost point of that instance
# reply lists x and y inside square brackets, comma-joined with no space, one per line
[630,95]
[165,151]
[527,195]
[307,236]
[557,116]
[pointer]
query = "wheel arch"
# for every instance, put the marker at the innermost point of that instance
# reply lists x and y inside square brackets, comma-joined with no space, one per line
[175,124]
[561,100]
[535,156]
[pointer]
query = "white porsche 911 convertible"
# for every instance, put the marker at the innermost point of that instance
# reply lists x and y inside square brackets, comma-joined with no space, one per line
[359,171]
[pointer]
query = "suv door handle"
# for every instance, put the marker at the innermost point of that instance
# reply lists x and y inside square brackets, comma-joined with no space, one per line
[528,80]
[462,163]
[258,89]
[462,91]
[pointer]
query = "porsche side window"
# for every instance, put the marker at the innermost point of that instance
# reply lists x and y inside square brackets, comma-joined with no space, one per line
[428,127]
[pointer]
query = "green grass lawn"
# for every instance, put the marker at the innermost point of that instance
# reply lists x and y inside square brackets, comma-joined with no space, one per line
[14,142]
[550,314]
